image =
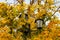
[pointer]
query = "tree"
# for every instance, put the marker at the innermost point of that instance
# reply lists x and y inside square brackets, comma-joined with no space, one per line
[21,22]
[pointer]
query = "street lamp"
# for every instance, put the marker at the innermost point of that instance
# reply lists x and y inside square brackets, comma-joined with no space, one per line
[39,23]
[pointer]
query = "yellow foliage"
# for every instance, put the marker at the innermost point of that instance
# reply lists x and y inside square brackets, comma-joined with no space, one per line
[9,13]
[4,35]
[50,1]
[4,21]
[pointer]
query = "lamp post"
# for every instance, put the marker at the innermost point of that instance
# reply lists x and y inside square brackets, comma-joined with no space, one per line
[26,31]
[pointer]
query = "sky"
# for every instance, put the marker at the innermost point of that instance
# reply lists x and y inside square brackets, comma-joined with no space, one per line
[12,1]
[27,1]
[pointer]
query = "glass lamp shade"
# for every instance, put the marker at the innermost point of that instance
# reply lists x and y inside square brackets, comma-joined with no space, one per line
[39,23]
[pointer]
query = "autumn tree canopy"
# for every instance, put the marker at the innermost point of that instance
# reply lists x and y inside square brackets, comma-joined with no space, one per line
[28,21]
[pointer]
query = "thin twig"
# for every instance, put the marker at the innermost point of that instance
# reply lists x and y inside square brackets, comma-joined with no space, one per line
[56,11]
[20,1]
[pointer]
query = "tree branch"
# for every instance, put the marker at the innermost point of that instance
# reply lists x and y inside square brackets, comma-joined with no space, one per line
[20,1]
[38,4]
[31,2]
[56,11]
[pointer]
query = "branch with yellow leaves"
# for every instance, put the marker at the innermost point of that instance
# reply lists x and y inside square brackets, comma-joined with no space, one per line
[39,4]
